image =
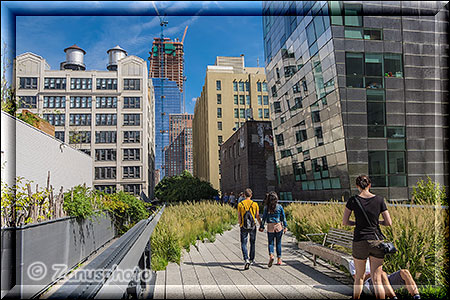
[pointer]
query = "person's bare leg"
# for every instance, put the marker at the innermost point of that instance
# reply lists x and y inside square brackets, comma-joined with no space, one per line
[389,291]
[409,282]
[376,270]
[360,268]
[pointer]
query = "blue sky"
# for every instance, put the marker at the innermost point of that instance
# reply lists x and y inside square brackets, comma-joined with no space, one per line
[214,30]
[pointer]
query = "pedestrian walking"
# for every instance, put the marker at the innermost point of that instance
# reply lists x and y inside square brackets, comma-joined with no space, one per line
[241,197]
[232,199]
[367,208]
[275,218]
[248,213]
[225,198]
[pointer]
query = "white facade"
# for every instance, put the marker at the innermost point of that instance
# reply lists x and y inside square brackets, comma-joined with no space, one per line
[98,115]
[30,153]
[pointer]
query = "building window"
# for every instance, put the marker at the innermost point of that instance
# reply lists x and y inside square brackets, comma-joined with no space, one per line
[247,86]
[235,87]
[219,99]
[28,83]
[247,99]
[242,113]
[106,102]
[266,100]
[353,33]
[266,113]
[260,113]
[258,86]
[259,100]
[241,86]
[60,135]
[131,136]
[264,86]
[219,125]
[80,119]
[218,85]
[220,139]
[131,102]
[280,139]
[106,84]
[393,65]
[297,103]
[373,70]
[354,64]
[134,189]
[131,84]
[132,172]
[80,83]
[105,154]
[54,101]
[27,102]
[236,112]
[105,119]
[274,91]
[353,15]
[55,119]
[79,137]
[105,137]
[241,99]
[131,154]
[80,102]
[236,99]
[108,189]
[315,116]
[301,136]
[105,172]
[54,83]
[131,119]
[277,106]
[299,171]
[219,112]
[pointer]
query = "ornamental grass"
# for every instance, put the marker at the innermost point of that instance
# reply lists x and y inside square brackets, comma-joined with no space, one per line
[181,225]
[418,233]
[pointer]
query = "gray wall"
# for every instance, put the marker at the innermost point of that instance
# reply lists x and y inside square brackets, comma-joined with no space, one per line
[30,153]
[58,245]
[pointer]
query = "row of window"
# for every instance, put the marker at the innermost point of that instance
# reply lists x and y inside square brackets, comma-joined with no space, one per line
[110,154]
[79,83]
[246,113]
[101,137]
[79,102]
[134,189]
[242,86]
[85,119]
[110,172]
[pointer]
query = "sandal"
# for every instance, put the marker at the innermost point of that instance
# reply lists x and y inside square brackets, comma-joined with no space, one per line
[270,262]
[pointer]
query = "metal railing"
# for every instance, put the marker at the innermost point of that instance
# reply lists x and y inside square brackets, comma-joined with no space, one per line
[130,254]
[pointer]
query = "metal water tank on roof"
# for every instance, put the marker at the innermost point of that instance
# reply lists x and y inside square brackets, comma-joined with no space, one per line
[115,54]
[74,58]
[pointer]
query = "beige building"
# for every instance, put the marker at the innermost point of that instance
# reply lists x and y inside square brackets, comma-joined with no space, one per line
[107,114]
[231,94]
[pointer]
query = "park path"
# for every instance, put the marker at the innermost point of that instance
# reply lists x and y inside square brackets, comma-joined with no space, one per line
[215,271]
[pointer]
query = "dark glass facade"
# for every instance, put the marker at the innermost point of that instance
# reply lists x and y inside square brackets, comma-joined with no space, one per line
[357,88]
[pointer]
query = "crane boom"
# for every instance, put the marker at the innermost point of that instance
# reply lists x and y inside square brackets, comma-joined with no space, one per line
[184,34]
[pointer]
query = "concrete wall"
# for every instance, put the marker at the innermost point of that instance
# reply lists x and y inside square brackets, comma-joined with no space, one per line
[48,250]
[31,153]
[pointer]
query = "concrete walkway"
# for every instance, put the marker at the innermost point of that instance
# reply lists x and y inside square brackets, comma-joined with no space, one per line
[215,271]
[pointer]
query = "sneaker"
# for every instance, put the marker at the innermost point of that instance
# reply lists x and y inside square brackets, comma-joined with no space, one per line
[252,262]
[247,264]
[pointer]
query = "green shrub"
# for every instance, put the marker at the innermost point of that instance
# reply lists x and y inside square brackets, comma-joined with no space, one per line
[181,225]
[81,202]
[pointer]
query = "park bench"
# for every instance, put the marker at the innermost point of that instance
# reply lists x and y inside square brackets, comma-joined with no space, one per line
[325,250]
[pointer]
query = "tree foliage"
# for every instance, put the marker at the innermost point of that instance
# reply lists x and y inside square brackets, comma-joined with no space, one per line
[184,187]
[429,192]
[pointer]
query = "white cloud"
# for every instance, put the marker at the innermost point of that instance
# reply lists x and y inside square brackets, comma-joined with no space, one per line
[194,99]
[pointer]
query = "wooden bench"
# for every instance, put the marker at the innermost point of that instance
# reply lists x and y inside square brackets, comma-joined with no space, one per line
[325,250]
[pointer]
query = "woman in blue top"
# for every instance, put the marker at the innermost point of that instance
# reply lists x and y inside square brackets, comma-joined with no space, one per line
[276,224]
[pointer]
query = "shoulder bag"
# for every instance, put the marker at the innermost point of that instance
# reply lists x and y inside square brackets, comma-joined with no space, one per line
[387,246]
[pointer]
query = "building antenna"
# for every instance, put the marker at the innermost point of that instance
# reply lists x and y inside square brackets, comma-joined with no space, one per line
[257,62]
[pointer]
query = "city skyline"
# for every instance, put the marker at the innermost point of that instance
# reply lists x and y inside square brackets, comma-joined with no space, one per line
[206,37]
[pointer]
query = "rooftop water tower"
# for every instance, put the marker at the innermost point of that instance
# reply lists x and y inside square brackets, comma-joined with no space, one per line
[74,59]
[115,54]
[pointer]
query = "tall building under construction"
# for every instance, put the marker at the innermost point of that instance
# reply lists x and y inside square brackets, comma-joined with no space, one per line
[167,71]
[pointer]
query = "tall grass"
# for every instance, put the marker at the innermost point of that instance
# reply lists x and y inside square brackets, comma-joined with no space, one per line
[181,225]
[418,233]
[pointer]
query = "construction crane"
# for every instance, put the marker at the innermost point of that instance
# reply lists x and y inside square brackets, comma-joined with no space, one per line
[184,34]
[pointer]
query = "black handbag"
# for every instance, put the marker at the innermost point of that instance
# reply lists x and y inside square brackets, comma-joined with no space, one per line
[386,246]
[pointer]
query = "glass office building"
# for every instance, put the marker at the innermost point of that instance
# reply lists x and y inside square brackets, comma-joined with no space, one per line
[357,88]
[171,103]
